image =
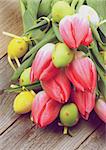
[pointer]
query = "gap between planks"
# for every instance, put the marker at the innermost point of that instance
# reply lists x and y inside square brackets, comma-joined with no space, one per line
[25,136]
[97,140]
[12,124]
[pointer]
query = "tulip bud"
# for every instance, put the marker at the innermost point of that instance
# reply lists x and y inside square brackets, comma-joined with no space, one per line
[25,77]
[42,67]
[58,88]
[100,109]
[75,31]
[69,115]
[44,109]
[23,102]
[61,9]
[89,13]
[62,55]
[85,102]
[82,73]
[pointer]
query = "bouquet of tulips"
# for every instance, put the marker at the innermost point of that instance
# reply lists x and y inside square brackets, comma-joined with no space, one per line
[61,57]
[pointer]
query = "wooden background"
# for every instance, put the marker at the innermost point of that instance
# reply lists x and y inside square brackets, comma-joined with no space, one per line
[17,132]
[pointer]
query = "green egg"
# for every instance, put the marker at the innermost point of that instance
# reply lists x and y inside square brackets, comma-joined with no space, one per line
[61,9]
[62,55]
[25,77]
[69,115]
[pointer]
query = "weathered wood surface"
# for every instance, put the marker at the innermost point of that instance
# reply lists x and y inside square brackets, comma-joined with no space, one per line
[97,141]
[18,132]
[7,116]
[10,21]
[24,135]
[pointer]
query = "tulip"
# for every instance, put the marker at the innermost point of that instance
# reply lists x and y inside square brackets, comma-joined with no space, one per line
[69,116]
[85,102]
[75,31]
[42,67]
[100,109]
[82,73]
[89,13]
[44,109]
[62,55]
[58,88]
[61,9]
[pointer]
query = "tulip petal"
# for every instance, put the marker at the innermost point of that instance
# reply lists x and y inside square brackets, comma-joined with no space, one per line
[88,38]
[85,102]
[58,88]
[100,109]
[82,73]
[83,25]
[42,67]
[75,30]
[44,109]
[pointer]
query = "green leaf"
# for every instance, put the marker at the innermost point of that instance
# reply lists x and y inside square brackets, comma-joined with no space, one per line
[97,56]
[102,88]
[49,37]
[44,8]
[18,89]
[33,6]
[37,35]
[23,66]
[56,31]
[29,11]
[100,7]
[28,20]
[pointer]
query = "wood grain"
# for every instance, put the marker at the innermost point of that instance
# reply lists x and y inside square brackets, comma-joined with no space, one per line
[97,141]
[7,116]
[25,136]
[10,21]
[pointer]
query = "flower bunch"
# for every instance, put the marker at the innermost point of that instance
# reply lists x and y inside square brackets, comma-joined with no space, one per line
[66,65]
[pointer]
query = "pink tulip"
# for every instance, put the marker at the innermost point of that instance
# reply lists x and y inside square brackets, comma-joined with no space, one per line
[100,109]
[82,73]
[75,31]
[58,88]
[42,67]
[85,102]
[44,109]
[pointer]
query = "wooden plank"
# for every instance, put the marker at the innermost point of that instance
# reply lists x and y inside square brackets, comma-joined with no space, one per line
[10,21]
[7,116]
[96,141]
[24,136]
[5,73]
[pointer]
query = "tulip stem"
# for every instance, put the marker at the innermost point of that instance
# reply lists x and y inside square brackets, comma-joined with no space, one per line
[74,3]
[11,35]
[100,23]
[11,63]
[71,134]
[65,130]
[80,3]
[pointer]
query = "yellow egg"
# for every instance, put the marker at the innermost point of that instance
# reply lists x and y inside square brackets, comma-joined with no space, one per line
[17,48]
[23,102]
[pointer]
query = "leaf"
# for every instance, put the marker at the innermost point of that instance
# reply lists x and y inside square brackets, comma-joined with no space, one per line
[97,56]
[44,8]
[49,37]
[28,21]
[37,35]
[102,88]
[33,6]
[18,89]
[100,7]
[29,11]
[23,66]
[56,31]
